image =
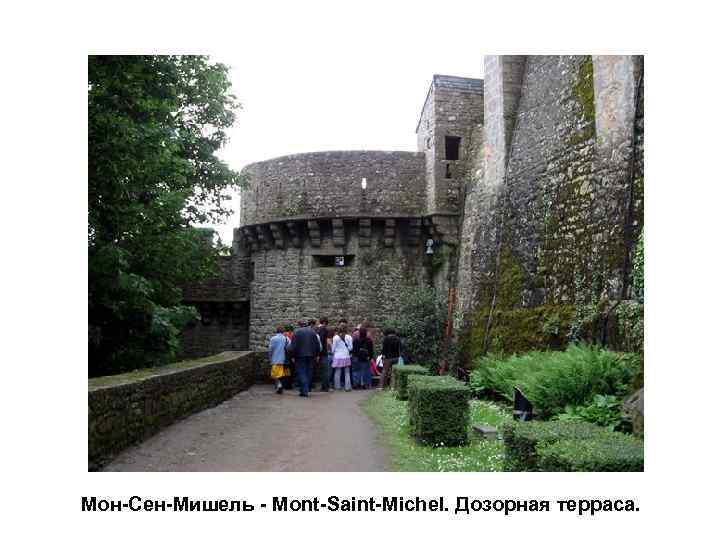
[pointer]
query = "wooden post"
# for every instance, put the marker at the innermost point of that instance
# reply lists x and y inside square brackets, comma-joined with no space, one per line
[451,306]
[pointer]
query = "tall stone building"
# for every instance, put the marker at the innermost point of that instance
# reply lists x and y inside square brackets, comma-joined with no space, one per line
[527,187]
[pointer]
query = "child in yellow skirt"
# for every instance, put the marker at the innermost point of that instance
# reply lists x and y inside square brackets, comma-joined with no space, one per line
[278,365]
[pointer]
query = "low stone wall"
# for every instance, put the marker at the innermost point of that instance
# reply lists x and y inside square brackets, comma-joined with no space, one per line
[128,408]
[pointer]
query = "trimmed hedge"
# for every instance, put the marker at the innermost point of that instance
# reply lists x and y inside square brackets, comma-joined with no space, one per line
[412,379]
[400,378]
[568,446]
[616,452]
[439,410]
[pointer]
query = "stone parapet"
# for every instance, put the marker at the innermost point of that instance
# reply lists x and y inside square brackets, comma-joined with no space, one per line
[128,408]
[330,185]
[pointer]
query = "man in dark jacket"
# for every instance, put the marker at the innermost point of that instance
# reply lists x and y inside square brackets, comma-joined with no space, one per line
[306,348]
[363,351]
[391,350]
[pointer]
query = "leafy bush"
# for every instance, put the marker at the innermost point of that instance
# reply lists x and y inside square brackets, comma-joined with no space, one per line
[568,446]
[615,452]
[603,410]
[553,379]
[439,410]
[420,319]
[400,378]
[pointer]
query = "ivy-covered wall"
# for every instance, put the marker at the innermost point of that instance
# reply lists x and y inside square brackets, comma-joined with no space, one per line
[561,254]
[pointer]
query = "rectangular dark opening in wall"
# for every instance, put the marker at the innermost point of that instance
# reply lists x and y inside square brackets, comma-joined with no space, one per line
[448,172]
[333,261]
[452,148]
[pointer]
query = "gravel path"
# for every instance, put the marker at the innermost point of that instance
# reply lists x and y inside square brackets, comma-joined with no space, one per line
[258,430]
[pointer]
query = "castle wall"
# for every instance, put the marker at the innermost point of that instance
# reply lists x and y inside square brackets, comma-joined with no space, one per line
[302,211]
[290,283]
[223,326]
[223,305]
[473,267]
[427,144]
[329,184]
[484,184]
[562,235]
[535,226]
[454,106]
[230,285]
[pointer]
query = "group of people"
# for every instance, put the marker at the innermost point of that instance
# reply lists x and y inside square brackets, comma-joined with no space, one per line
[345,360]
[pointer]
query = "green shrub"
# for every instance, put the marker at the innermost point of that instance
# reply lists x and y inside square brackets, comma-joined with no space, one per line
[602,410]
[522,439]
[553,379]
[439,410]
[400,378]
[614,452]
[412,379]
[568,446]
[421,318]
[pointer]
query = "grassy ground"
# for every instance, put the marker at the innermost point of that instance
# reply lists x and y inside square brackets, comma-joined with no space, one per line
[390,415]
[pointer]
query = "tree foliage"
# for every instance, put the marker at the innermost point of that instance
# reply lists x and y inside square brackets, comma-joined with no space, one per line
[154,125]
[421,319]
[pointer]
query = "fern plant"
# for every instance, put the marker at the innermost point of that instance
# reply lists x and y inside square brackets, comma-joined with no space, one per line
[553,379]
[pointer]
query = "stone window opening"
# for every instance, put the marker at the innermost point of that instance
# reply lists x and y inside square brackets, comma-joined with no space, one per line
[452,148]
[333,261]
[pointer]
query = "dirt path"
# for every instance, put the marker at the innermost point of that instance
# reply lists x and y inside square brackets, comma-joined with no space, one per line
[258,430]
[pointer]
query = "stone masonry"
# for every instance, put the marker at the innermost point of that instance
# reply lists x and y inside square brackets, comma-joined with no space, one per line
[128,408]
[529,183]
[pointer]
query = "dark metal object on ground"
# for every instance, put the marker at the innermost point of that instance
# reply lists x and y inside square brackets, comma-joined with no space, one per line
[522,408]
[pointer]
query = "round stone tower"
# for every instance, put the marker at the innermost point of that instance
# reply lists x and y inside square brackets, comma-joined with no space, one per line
[331,234]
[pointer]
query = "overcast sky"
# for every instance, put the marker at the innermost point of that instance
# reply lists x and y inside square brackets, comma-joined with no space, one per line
[310,95]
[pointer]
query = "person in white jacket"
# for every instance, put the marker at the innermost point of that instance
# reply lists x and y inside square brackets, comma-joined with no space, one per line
[341,347]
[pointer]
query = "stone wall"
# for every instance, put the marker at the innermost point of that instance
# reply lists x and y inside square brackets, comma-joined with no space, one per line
[223,326]
[328,184]
[534,225]
[472,265]
[230,285]
[563,226]
[453,107]
[223,303]
[296,282]
[484,185]
[126,409]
